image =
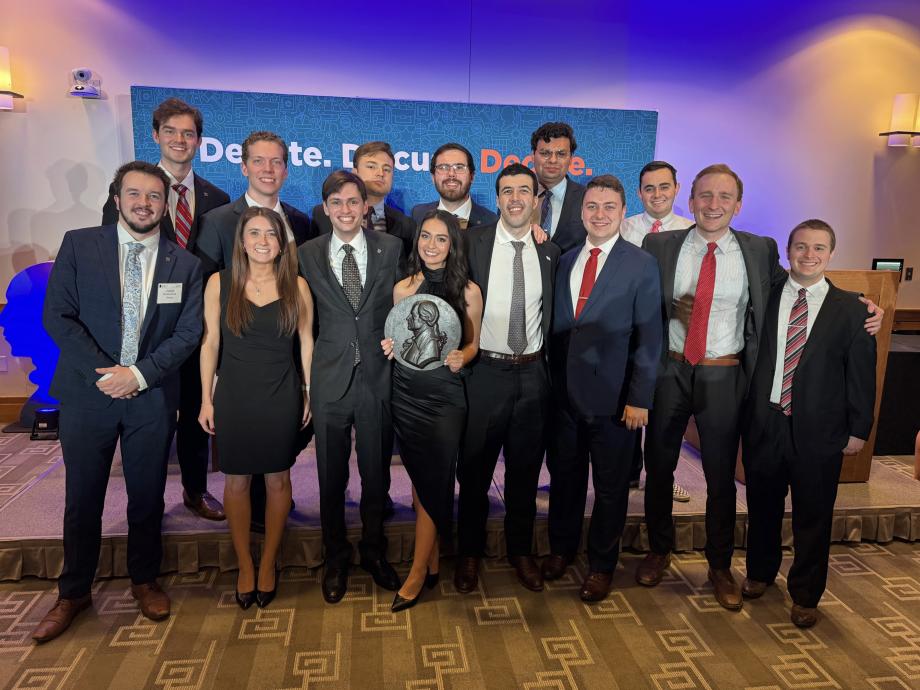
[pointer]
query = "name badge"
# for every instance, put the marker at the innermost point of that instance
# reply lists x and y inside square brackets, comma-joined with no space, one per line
[169,293]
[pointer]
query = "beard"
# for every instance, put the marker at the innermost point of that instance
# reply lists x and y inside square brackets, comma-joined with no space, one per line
[149,226]
[454,194]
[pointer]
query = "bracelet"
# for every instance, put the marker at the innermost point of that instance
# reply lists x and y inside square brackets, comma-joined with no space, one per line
[305,387]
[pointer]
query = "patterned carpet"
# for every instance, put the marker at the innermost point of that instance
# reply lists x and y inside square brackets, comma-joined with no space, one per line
[672,636]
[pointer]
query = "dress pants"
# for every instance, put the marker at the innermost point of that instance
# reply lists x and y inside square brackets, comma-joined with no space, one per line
[508,410]
[144,426]
[636,470]
[608,445]
[771,467]
[360,408]
[192,442]
[712,394]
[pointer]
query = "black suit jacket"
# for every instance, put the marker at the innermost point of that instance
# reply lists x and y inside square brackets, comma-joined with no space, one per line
[761,260]
[82,314]
[479,242]
[339,326]
[833,388]
[218,228]
[479,215]
[570,231]
[399,225]
[207,197]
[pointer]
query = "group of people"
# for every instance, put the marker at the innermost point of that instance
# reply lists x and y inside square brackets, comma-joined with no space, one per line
[188,314]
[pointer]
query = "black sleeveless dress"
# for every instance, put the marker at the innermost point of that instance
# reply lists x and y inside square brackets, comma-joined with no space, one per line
[258,403]
[429,415]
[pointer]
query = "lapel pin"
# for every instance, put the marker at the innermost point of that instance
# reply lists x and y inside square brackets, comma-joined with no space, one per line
[379,251]
[168,259]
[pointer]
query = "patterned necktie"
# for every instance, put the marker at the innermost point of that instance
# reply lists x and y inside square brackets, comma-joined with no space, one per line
[546,212]
[351,284]
[378,223]
[656,226]
[183,224]
[517,318]
[796,334]
[464,222]
[695,344]
[587,281]
[131,305]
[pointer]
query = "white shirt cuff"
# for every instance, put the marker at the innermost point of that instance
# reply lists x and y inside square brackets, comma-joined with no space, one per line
[141,381]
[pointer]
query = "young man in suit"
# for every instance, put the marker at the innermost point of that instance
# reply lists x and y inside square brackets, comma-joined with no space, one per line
[658,188]
[811,402]
[351,272]
[452,172]
[264,165]
[373,163]
[559,200]
[508,385]
[177,128]
[604,352]
[124,307]
[715,286]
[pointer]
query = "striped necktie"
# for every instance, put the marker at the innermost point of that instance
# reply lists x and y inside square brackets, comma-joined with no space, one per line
[183,224]
[796,335]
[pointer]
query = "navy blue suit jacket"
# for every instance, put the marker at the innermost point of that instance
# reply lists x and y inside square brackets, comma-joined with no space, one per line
[608,358]
[479,215]
[82,315]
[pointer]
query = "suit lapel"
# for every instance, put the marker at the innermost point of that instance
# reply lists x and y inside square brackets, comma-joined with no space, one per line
[610,269]
[486,244]
[823,322]
[162,272]
[771,324]
[323,259]
[546,274]
[374,253]
[669,266]
[752,266]
[109,259]
[564,288]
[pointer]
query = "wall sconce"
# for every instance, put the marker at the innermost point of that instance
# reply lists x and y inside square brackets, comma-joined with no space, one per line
[904,129]
[6,81]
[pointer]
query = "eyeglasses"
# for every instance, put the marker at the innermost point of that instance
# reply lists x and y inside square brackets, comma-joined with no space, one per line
[549,154]
[445,168]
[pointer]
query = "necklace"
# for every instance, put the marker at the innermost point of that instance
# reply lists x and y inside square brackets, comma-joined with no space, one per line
[256,286]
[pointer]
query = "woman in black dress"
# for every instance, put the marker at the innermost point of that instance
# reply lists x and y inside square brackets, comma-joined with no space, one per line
[429,407]
[254,309]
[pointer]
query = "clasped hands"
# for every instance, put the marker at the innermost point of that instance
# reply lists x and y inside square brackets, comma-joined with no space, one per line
[121,383]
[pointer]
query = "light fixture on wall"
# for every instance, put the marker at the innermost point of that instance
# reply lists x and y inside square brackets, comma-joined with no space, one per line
[904,128]
[6,81]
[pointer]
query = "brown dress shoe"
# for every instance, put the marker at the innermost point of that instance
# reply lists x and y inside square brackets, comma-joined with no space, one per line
[652,567]
[59,618]
[466,574]
[803,616]
[596,586]
[528,572]
[204,505]
[753,589]
[554,566]
[153,601]
[727,591]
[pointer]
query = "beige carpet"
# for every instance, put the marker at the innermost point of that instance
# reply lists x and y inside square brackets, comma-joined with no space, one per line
[673,636]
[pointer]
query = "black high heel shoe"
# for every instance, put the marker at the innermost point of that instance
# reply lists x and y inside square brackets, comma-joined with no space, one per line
[245,599]
[432,579]
[263,599]
[401,604]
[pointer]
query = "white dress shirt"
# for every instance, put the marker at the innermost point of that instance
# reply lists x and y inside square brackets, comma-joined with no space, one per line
[279,209]
[148,259]
[555,203]
[173,196]
[495,317]
[337,253]
[462,211]
[725,335]
[578,269]
[814,297]
[635,228]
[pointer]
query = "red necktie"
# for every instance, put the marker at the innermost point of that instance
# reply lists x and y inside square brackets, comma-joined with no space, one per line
[695,344]
[796,335]
[587,281]
[656,226]
[183,216]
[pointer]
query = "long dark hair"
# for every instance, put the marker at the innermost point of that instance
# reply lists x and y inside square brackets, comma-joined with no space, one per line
[239,310]
[457,272]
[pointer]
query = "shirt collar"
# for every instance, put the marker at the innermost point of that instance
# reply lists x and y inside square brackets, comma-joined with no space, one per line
[359,243]
[559,190]
[664,221]
[380,209]
[462,211]
[818,290]
[504,237]
[188,182]
[150,242]
[252,202]
[724,243]
[605,248]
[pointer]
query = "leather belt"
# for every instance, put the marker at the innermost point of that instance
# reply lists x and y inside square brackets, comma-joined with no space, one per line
[724,361]
[513,359]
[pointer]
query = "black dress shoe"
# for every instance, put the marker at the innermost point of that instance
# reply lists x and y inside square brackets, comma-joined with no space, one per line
[400,604]
[383,573]
[263,599]
[432,579]
[245,599]
[335,584]
[528,572]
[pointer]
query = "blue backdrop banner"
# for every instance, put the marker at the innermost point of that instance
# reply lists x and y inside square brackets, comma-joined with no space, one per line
[322,133]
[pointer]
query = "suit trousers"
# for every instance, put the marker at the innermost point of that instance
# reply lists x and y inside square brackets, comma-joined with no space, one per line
[333,421]
[712,395]
[608,445]
[88,439]
[192,441]
[508,409]
[772,467]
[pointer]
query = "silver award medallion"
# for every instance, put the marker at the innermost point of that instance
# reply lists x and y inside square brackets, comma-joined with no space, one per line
[424,328]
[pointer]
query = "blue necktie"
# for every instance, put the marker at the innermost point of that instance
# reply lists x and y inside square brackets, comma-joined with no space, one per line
[131,305]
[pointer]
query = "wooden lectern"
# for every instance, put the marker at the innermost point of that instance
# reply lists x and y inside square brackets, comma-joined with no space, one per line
[882,288]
